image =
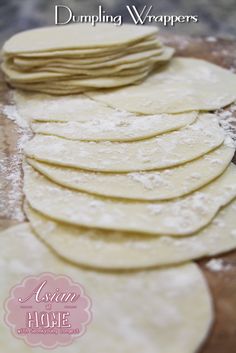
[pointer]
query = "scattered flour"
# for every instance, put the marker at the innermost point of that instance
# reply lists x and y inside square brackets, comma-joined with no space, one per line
[11,164]
[227,120]
[211,39]
[217,265]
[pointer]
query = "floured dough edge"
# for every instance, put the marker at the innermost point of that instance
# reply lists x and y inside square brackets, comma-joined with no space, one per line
[123,251]
[155,185]
[192,300]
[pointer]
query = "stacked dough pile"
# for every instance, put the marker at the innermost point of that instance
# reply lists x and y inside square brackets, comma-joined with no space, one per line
[74,58]
[129,179]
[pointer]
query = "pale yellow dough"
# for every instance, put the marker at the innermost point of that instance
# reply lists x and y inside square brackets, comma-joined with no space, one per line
[51,90]
[116,126]
[159,152]
[119,250]
[150,42]
[67,74]
[133,58]
[160,57]
[154,185]
[76,36]
[185,84]
[179,217]
[78,85]
[132,312]
[110,57]
[42,107]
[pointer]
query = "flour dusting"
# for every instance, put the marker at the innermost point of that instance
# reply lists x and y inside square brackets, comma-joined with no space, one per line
[217,265]
[227,121]
[11,166]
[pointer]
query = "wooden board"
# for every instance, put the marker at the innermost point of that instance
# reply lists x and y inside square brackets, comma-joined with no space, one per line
[222,338]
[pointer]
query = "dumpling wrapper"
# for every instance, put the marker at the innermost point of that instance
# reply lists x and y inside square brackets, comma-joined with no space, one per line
[155,185]
[97,54]
[51,90]
[159,152]
[120,250]
[117,126]
[171,302]
[185,84]
[74,84]
[37,77]
[129,58]
[77,36]
[180,217]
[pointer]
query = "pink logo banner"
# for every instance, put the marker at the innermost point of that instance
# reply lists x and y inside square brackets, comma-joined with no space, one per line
[48,311]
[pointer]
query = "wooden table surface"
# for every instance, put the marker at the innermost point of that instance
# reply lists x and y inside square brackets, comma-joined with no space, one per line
[222,338]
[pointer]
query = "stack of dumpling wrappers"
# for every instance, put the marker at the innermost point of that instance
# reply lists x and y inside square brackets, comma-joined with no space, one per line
[72,59]
[128,178]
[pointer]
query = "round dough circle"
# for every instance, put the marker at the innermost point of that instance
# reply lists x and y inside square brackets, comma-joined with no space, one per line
[160,152]
[180,217]
[110,61]
[185,84]
[171,302]
[96,54]
[155,185]
[77,36]
[119,250]
[119,126]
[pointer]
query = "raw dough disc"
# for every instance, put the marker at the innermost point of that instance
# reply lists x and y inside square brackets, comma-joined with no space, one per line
[117,250]
[93,64]
[179,217]
[162,56]
[118,70]
[171,302]
[38,77]
[155,185]
[53,91]
[73,82]
[85,54]
[28,78]
[43,107]
[119,126]
[185,84]
[121,70]
[158,152]
[77,36]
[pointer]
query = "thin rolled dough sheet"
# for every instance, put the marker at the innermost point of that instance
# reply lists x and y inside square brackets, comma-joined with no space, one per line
[52,91]
[185,84]
[21,77]
[171,302]
[73,82]
[94,63]
[118,126]
[77,36]
[42,107]
[177,218]
[150,42]
[120,250]
[155,185]
[159,152]
[36,76]
[123,69]
[76,108]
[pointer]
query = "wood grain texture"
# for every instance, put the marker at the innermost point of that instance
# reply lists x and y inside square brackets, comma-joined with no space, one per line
[222,338]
